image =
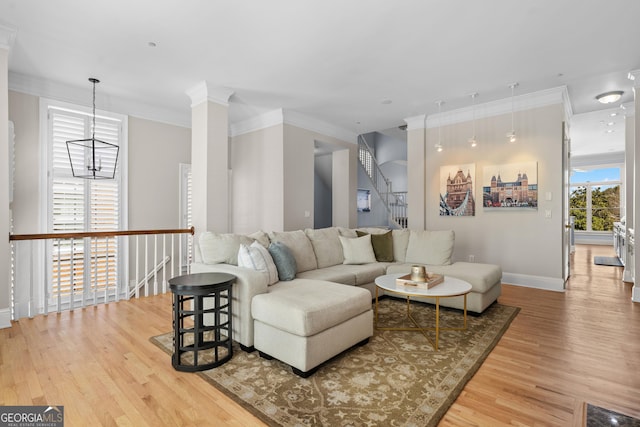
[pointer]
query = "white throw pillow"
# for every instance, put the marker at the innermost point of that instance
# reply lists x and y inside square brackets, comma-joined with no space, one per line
[430,247]
[257,257]
[357,250]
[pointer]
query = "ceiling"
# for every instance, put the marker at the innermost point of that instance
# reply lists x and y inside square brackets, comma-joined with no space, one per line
[362,65]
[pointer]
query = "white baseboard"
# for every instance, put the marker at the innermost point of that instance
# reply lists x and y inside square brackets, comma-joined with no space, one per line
[5,318]
[538,282]
[635,294]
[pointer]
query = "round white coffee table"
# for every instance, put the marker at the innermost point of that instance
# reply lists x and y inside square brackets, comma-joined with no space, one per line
[449,288]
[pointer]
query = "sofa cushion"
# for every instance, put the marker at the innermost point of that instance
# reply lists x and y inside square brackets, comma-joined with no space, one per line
[221,248]
[363,273]
[382,245]
[335,273]
[358,250]
[347,232]
[284,260]
[300,246]
[326,246]
[430,247]
[261,237]
[482,277]
[306,307]
[257,257]
[400,243]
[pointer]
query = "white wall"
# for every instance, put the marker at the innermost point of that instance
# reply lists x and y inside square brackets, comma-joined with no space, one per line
[257,165]
[521,242]
[155,153]
[273,179]
[5,272]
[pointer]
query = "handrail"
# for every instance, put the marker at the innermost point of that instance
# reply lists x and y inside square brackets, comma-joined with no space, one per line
[81,234]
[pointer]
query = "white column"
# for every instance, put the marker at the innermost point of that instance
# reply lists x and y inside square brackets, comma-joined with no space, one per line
[416,186]
[635,296]
[629,157]
[7,35]
[211,207]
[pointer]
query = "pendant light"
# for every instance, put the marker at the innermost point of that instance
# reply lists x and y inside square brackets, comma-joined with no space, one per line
[439,143]
[472,141]
[512,135]
[92,158]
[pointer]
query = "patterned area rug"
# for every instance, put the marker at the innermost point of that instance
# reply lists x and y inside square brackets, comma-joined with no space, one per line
[396,379]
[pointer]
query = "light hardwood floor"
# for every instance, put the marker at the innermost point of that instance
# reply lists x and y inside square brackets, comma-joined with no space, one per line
[562,350]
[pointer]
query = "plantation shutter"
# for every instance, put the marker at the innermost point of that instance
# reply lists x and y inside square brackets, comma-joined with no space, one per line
[186,213]
[86,265]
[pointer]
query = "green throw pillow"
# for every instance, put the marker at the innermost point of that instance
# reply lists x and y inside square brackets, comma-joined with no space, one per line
[382,245]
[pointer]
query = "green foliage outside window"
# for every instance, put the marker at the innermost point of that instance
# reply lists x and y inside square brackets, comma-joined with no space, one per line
[605,207]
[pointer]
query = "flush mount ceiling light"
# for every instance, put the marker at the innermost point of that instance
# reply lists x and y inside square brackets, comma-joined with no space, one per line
[609,97]
[92,158]
[512,135]
[439,143]
[472,140]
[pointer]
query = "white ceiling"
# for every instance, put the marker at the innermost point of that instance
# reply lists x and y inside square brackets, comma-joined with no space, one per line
[334,60]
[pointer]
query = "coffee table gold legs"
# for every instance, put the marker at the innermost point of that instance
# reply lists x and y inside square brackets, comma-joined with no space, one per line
[417,327]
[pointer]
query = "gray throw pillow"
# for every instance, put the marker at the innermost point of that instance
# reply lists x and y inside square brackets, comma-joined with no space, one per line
[284,260]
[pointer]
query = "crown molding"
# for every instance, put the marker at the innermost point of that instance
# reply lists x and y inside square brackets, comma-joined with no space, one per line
[203,91]
[262,121]
[82,96]
[7,37]
[543,98]
[293,118]
[300,120]
[416,122]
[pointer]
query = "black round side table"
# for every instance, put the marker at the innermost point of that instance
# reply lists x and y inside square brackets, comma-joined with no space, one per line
[211,345]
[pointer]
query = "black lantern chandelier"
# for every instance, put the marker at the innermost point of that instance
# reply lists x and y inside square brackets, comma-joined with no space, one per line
[92,158]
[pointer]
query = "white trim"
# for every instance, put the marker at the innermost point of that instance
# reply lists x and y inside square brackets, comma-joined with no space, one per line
[203,91]
[300,120]
[5,318]
[543,98]
[262,121]
[293,118]
[634,76]
[7,37]
[82,96]
[538,282]
[416,122]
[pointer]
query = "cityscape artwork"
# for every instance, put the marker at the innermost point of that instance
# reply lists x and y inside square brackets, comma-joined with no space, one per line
[456,190]
[510,186]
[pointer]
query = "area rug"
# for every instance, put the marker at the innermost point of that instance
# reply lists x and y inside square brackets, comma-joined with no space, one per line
[612,261]
[395,379]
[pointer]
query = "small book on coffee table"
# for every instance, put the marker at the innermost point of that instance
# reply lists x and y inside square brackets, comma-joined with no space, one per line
[432,280]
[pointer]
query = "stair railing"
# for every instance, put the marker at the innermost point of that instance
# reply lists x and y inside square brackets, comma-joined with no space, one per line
[382,185]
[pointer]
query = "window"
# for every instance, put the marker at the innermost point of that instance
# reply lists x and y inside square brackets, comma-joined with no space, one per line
[595,198]
[83,268]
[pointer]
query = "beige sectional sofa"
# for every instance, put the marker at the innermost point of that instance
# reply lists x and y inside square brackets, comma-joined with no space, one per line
[323,258]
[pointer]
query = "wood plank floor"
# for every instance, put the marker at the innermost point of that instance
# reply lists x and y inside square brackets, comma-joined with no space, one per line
[562,350]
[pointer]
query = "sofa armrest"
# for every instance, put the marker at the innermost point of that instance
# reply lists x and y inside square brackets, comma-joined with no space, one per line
[248,284]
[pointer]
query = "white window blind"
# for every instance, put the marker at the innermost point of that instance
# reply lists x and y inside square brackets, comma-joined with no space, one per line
[82,268]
